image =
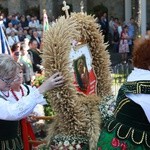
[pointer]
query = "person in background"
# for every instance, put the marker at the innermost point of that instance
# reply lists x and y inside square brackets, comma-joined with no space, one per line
[26,34]
[21,36]
[24,22]
[12,110]
[111,28]
[14,20]
[116,40]
[15,51]
[13,38]
[105,19]
[26,64]
[104,29]
[119,28]
[35,55]
[124,46]
[131,33]
[36,37]
[129,127]
[37,22]
[2,22]
[10,28]
[32,23]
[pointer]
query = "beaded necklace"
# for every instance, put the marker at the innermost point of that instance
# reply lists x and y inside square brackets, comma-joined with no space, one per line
[14,94]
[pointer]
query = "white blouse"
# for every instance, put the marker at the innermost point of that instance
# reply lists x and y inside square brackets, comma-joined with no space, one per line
[142,99]
[11,109]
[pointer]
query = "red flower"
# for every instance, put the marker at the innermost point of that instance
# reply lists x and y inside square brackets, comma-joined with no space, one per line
[115,142]
[123,146]
[99,148]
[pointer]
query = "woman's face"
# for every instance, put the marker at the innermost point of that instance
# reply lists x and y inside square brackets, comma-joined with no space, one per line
[19,79]
[16,55]
[6,82]
[126,29]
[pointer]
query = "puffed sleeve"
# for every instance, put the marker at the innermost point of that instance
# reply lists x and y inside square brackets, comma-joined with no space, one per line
[22,108]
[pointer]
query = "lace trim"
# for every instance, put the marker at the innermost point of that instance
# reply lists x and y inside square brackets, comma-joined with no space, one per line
[124,132]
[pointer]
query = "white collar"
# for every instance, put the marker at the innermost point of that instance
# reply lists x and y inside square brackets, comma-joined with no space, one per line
[141,99]
[139,74]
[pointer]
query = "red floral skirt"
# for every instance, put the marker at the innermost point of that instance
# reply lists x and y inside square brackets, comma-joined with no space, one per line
[109,141]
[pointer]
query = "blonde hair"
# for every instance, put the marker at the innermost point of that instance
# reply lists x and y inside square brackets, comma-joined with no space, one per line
[8,66]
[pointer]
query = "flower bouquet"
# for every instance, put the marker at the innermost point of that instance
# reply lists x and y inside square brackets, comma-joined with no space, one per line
[107,107]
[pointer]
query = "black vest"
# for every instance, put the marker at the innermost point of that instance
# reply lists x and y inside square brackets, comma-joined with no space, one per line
[130,121]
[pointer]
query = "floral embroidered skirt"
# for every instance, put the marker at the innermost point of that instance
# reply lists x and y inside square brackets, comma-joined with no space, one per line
[109,141]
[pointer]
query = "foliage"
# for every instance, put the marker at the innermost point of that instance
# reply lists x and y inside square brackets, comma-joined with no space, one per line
[39,79]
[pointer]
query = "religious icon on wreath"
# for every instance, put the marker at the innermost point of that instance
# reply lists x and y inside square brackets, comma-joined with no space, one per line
[81,73]
[84,75]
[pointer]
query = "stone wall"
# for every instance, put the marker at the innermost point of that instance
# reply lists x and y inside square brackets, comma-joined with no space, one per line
[53,7]
[114,7]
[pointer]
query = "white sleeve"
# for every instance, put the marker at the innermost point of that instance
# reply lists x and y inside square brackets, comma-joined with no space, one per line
[17,39]
[10,41]
[39,110]
[22,108]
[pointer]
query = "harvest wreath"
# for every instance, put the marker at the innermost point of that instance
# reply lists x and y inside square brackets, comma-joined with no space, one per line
[77,124]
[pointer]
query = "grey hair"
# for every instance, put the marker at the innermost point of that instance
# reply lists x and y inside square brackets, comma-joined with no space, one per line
[8,66]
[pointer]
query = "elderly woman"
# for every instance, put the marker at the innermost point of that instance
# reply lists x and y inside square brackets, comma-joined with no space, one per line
[129,128]
[14,110]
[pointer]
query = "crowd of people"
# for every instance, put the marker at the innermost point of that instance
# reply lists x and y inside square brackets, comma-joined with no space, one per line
[24,35]
[119,34]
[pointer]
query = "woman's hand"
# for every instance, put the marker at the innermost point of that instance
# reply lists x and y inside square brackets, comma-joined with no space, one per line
[56,80]
[31,118]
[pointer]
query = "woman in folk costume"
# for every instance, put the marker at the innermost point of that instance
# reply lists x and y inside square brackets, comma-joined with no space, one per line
[27,67]
[129,128]
[13,110]
[18,90]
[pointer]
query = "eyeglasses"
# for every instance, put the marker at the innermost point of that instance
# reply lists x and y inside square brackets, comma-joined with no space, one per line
[8,82]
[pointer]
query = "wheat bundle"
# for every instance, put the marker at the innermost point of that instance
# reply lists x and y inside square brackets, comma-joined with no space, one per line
[78,116]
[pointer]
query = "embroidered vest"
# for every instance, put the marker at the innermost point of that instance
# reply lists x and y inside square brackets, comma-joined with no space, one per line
[130,121]
[10,133]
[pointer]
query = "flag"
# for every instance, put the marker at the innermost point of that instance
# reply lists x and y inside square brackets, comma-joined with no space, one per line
[4,47]
[45,21]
